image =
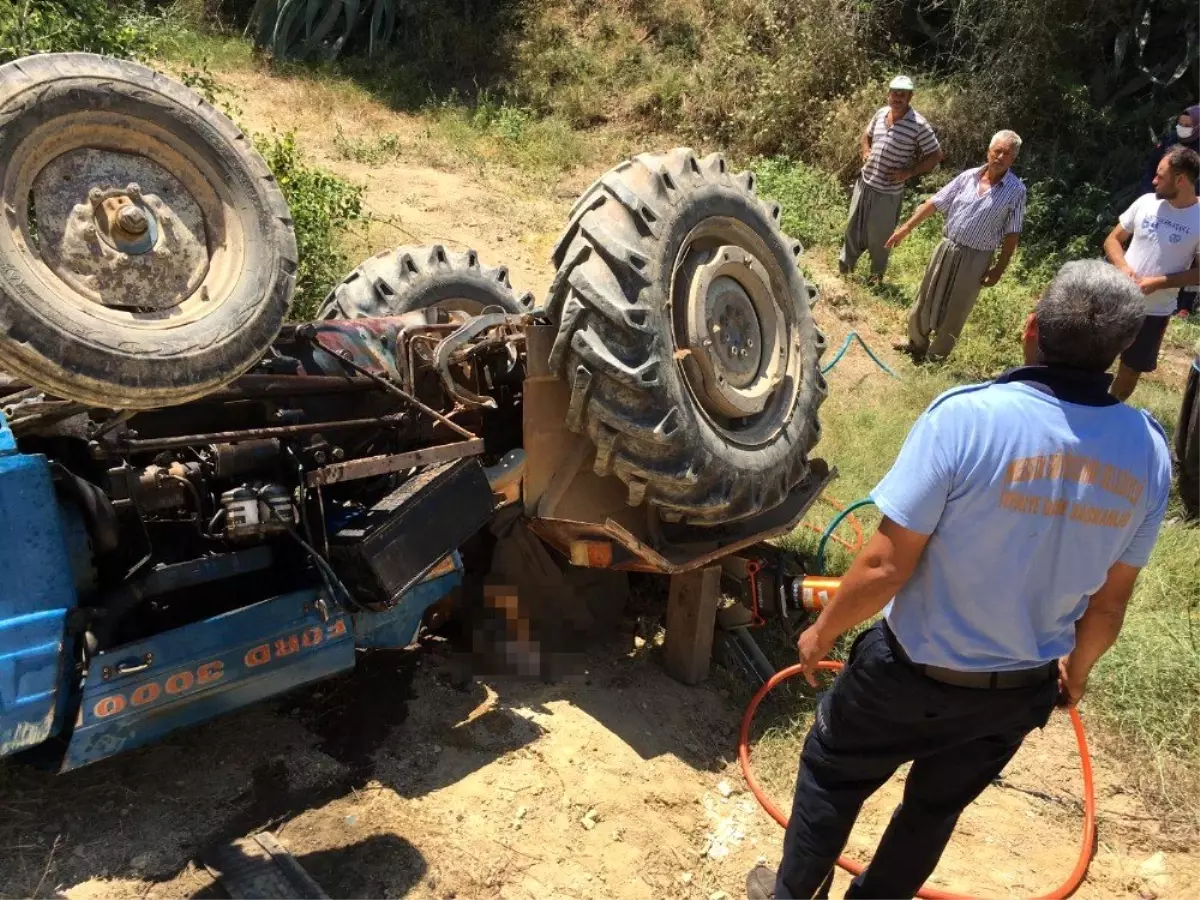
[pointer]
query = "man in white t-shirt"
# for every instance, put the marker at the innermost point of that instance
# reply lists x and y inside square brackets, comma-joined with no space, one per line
[1162,231]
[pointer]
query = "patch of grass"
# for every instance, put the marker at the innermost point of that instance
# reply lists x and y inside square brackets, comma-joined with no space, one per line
[814,203]
[497,132]
[1182,334]
[184,32]
[323,206]
[373,151]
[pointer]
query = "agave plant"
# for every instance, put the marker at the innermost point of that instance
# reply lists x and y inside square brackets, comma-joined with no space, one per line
[307,29]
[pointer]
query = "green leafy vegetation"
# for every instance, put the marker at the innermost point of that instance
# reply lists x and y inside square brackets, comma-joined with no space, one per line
[89,26]
[322,207]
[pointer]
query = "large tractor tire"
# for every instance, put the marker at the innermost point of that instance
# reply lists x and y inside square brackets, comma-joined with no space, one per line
[149,256]
[685,335]
[414,277]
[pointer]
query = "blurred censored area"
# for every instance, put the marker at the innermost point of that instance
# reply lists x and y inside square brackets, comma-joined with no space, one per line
[532,615]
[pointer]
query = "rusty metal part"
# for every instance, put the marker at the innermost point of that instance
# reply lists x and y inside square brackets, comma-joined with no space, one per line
[400,392]
[250,434]
[123,223]
[231,460]
[120,246]
[578,540]
[546,401]
[448,346]
[395,462]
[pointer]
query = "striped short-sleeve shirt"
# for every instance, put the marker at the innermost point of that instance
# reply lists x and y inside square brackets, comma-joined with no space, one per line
[897,147]
[981,221]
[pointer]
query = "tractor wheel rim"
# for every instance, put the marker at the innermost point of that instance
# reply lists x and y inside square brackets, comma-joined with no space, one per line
[126,223]
[732,329]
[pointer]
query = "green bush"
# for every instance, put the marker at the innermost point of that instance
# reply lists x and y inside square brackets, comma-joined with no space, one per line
[814,204]
[322,206]
[61,26]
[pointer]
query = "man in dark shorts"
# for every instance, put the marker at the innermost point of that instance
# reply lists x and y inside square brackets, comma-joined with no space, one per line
[1157,244]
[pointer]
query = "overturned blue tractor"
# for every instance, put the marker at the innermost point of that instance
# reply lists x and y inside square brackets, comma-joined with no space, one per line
[203,505]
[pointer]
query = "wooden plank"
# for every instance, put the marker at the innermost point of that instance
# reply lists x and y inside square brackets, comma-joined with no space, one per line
[691,617]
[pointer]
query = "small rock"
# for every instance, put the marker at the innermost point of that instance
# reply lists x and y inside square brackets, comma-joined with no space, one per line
[1153,872]
[522,812]
[639,643]
[1155,865]
[685,877]
[724,788]
[718,895]
[351,820]
[589,820]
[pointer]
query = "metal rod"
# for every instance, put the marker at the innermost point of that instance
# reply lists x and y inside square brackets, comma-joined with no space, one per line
[382,465]
[232,437]
[249,387]
[395,389]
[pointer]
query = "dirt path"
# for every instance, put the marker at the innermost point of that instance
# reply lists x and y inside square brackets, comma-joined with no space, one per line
[620,783]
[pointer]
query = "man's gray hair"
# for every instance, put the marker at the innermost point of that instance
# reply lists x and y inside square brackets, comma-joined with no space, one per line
[1088,315]
[1007,137]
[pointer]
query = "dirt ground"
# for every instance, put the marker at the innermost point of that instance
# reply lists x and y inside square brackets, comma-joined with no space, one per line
[615,783]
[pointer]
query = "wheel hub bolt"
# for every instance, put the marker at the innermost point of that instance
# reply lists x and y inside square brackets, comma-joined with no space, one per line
[132,220]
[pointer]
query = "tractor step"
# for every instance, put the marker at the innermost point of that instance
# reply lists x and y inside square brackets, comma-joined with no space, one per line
[259,868]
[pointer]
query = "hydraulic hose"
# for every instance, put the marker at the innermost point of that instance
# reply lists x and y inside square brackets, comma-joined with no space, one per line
[1087,843]
[853,336]
[837,520]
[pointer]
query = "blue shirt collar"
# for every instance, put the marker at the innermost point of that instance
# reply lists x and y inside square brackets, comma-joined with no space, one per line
[1061,383]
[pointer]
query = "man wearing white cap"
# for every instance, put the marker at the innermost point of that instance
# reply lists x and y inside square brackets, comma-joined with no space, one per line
[898,144]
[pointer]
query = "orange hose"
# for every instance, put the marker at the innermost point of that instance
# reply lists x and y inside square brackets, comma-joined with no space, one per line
[854,868]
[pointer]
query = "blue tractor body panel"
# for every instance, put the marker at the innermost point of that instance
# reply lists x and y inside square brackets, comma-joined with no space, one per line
[36,592]
[138,693]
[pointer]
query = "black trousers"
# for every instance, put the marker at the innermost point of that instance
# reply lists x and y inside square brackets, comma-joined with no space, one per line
[880,713]
[1187,446]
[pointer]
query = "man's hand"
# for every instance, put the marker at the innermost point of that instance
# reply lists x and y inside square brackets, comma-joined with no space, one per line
[900,176]
[991,276]
[813,649]
[897,237]
[1071,687]
[1151,283]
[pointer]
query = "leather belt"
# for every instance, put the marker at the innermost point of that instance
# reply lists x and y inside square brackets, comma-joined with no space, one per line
[1016,678]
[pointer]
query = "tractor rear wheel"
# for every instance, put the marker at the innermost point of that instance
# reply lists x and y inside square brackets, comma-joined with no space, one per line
[414,277]
[685,335]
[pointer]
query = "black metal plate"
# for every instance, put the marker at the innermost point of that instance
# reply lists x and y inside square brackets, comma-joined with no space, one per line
[390,548]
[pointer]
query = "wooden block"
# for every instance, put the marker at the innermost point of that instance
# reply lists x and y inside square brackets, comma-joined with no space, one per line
[691,617]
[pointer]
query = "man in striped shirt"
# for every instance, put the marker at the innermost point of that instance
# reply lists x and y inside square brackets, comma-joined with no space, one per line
[984,209]
[898,144]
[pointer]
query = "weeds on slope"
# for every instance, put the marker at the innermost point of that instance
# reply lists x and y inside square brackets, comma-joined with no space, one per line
[322,207]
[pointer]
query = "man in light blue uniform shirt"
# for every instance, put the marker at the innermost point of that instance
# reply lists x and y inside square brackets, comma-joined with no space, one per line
[1016,519]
